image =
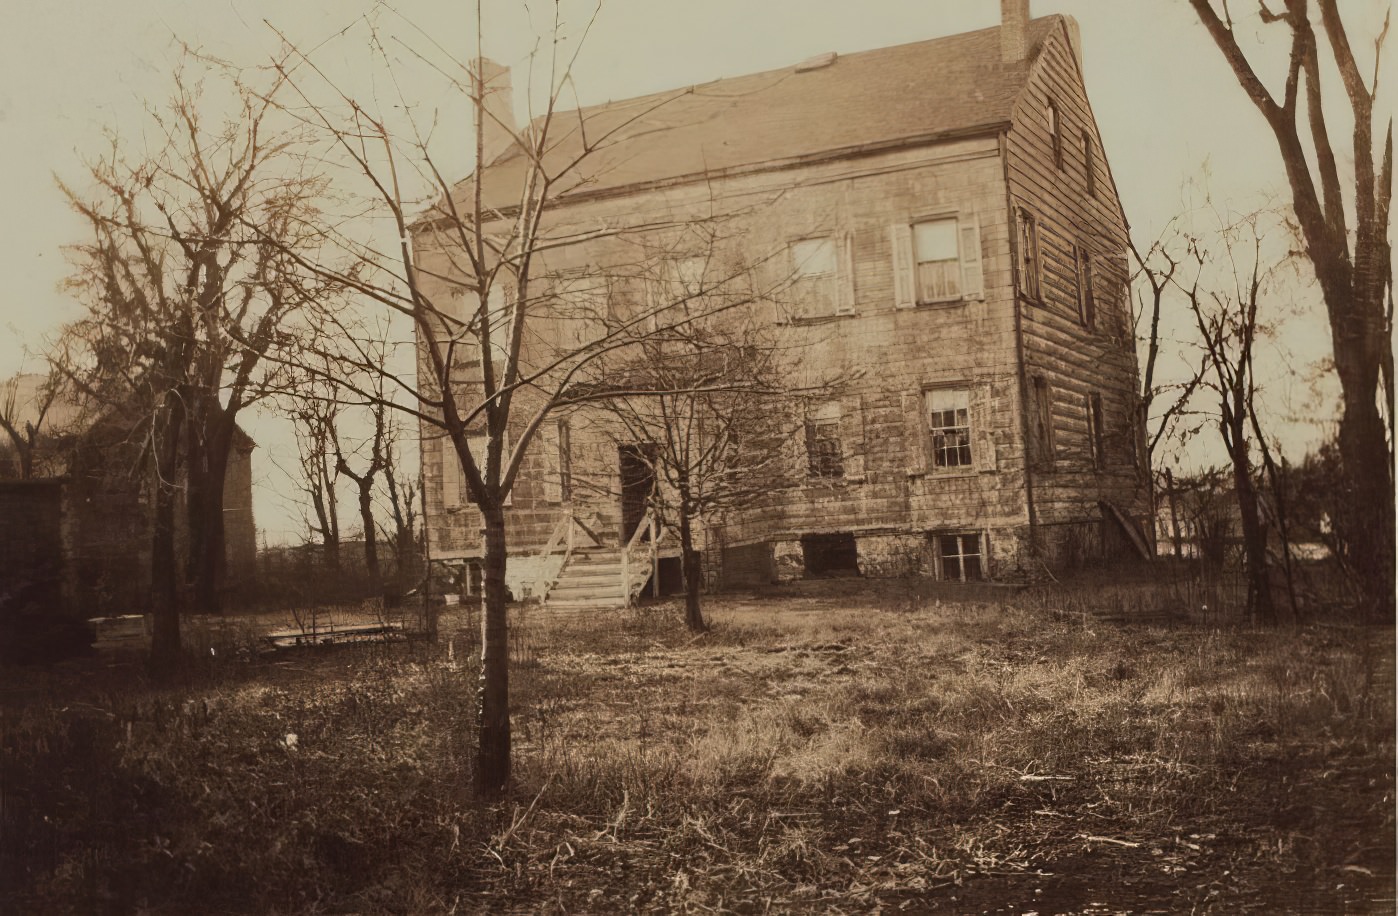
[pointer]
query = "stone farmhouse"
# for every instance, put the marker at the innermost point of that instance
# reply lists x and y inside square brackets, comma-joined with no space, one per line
[950,225]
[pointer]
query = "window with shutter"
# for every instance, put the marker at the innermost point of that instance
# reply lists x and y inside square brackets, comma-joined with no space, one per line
[815,272]
[937,257]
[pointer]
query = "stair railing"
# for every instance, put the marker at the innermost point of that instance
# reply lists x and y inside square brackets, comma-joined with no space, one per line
[562,537]
[640,558]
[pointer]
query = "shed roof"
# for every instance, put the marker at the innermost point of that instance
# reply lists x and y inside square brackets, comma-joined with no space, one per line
[943,86]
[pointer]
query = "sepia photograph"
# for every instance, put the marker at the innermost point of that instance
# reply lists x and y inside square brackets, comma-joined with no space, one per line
[637,456]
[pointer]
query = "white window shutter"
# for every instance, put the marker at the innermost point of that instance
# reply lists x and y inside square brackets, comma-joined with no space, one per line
[982,438]
[900,236]
[547,439]
[972,273]
[451,474]
[844,281]
[915,432]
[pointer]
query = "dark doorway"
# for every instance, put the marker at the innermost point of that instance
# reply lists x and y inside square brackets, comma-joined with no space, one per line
[637,485]
[830,554]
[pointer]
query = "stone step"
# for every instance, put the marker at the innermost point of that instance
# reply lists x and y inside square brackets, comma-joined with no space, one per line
[586,594]
[591,605]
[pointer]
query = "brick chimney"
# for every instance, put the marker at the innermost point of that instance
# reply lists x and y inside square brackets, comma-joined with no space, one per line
[498,114]
[1014,30]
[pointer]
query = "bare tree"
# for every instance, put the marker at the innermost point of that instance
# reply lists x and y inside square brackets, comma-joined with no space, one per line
[185,302]
[481,273]
[712,406]
[1354,269]
[404,490]
[1229,329]
[314,411]
[25,405]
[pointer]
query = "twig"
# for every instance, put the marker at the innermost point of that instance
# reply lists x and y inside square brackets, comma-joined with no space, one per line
[1107,839]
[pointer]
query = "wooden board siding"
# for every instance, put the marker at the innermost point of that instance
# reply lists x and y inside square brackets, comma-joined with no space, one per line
[898,352]
[1075,360]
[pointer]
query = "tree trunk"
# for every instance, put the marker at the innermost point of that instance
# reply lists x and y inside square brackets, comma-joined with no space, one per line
[165,640]
[693,573]
[1254,534]
[366,515]
[493,752]
[1368,490]
[209,559]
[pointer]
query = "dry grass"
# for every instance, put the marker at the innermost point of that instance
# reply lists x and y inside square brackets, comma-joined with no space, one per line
[843,752]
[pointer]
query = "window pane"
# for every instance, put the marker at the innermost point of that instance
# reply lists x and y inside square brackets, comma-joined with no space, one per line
[935,240]
[948,399]
[813,257]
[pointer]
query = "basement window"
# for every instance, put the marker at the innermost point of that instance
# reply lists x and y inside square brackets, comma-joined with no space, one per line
[959,557]
[830,554]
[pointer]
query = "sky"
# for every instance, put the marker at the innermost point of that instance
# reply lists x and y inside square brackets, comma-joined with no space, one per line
[1168,108]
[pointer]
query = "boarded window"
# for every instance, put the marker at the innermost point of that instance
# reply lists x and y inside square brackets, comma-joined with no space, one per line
[959,557]
[1094,431]
[1028,257]
[823,454]
[1043,422]
[1055,125]
[1089,164]
[949,422]
[938,260]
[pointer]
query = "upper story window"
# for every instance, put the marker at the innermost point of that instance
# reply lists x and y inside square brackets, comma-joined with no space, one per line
[937,260]
[1055,125]
[949,421]
[1027,257]
[823,453]
[1089,164]
[818,288]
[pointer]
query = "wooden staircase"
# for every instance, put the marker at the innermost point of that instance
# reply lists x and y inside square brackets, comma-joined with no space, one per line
[600,576]
[591,580]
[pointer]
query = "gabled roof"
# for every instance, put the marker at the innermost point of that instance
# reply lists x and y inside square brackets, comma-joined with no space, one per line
[949,86]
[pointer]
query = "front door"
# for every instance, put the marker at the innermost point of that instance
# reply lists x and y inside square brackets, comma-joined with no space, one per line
[637,485]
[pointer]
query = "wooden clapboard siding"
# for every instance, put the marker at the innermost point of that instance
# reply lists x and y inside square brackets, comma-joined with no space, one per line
[1076,361]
